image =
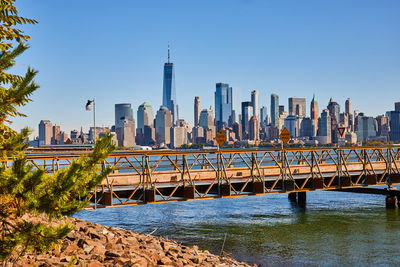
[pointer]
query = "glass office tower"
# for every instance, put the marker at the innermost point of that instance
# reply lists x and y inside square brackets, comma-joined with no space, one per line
[274,110]
[223,105]
[169,94]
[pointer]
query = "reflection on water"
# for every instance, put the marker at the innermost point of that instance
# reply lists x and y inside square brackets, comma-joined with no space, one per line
[334,228]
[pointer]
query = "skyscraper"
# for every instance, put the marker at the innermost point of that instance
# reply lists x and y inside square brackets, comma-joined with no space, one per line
[197,109]
[263,116]
[45,132]
[126,133]
[365,128]
[397,106]
[334,110]
[291,123]
[145,133]
[169,94]
[163,125]
[247,113]
[297,101]
[223,105]
[254,132]
[325,129]
[254,103]
[145,117]
[207,118]
[122,111]
[281,109]
[348,106]
[123,122]
[56,137]
[314,116]
[275,110]
[395,125]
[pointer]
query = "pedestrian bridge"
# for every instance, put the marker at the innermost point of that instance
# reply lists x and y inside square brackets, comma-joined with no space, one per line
[143,177]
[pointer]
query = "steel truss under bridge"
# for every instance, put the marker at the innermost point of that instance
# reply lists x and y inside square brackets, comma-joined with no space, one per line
[142,177]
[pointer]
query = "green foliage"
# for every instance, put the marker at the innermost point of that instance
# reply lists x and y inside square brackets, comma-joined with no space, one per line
[26,191]
[9,20]
[32,202]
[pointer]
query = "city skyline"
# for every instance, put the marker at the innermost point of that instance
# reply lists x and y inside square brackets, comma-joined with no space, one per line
[292,50]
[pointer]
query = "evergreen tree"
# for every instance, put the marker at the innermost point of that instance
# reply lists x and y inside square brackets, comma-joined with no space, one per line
[26,192]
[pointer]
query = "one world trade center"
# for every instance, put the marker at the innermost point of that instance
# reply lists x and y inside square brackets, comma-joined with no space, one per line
[169,94]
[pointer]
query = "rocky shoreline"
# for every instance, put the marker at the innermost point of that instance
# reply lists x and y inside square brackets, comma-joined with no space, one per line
[93,245]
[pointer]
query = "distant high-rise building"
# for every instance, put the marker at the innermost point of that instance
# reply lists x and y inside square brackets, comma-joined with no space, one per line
[395,126]
[197,110]
[365,128]
[254,103]
[281,109]
[74,134]
[382,126]
[297,101]
[237,129]
[163,124]
[254,130]
[207,118]
[122,111]
[198,135]
[291,123]
[178,136]
[56,137]
[275,110]
[307,127]
[45,132]
[123,115]
[325,129]
[263,116]
[145,117]
[247,113]
[314,115]
[223,105]
[397,106]
[100,132]
[169,93]
[348,106]
[126,133]
[334,110]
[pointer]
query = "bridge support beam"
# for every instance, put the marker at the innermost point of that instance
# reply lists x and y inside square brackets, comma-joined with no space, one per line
[258,187]
[391,202]
[292,197]
[371,179]
[289,185]
[299,197]
[318,183]
[106,199]
[392,195]
[395,178]
[150,195]
[189,192]
[345,181]
[225,190]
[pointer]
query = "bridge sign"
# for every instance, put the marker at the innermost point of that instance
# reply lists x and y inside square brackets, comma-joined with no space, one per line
[341,131]
[220,138]
[285,136]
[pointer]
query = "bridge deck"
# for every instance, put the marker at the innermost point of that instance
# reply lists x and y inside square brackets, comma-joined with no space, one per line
[142,177]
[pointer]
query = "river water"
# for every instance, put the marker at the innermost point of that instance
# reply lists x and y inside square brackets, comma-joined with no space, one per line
[334,229]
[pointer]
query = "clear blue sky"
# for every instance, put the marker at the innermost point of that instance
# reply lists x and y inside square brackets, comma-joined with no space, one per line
[115,51]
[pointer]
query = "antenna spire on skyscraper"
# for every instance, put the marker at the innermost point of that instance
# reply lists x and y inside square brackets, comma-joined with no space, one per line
[168,51]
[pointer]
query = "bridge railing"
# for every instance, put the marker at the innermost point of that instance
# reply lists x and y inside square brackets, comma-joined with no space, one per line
[237,171]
